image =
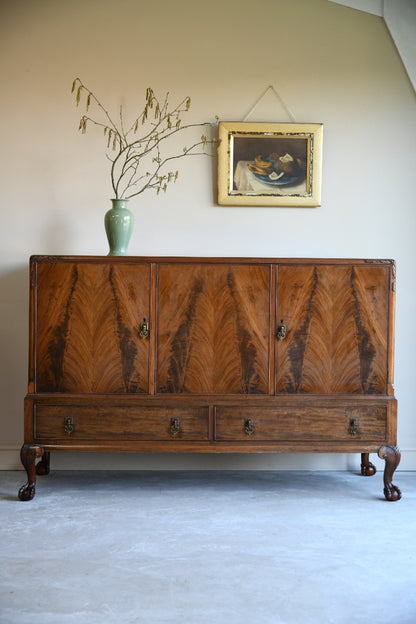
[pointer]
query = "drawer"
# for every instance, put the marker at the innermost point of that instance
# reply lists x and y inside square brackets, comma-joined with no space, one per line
[120,422]
[290,424]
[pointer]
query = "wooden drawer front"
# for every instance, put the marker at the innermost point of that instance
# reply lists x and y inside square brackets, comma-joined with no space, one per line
[314,423]
[120,423]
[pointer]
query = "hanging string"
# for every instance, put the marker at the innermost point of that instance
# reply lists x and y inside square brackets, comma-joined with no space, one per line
[270,88]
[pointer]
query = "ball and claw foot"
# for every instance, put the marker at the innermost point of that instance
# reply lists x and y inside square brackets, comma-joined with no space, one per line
[392,456]
[29,453]
[392,492]
[27,492]
[367,468]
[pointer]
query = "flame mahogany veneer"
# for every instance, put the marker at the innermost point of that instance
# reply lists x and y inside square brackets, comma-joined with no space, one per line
[214,355]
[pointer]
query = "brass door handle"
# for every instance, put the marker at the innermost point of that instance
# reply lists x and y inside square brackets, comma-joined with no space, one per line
[281,331]
[144,329]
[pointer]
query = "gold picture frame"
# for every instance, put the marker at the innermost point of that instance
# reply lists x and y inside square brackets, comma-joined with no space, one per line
[269,164]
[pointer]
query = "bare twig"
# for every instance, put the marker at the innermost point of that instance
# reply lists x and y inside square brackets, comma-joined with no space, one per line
[129,153]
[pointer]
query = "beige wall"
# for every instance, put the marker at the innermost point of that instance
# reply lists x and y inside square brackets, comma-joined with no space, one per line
[329,63]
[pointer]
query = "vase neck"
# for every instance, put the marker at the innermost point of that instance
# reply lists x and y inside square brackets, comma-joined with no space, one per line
[119,203]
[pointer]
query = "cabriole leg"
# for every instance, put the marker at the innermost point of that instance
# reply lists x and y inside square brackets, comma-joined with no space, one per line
[392,456]
[28,455]
[367,468]
[43,467]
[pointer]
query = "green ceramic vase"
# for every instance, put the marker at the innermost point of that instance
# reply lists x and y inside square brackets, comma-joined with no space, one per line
[119,223]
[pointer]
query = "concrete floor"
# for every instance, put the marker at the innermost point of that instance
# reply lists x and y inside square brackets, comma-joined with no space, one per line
[207,548]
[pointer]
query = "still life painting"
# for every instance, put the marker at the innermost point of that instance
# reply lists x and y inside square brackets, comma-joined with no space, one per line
[269,164]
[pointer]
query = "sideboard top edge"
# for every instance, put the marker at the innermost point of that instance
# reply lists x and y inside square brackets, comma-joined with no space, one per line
[210,259]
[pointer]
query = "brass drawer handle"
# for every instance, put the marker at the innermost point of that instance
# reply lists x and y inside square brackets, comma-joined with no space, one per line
[353,428]
[69,426]
[249,426]
[174,426]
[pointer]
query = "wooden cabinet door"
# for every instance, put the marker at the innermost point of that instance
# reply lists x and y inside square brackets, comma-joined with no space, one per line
[213,328]
[86,327]
[337,320]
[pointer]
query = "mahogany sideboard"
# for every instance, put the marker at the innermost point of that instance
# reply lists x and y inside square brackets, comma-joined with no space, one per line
[210,355]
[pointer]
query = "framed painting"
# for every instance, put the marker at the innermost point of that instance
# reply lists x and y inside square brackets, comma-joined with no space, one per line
[269,164]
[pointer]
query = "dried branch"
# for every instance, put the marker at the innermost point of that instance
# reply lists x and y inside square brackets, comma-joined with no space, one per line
[137,163]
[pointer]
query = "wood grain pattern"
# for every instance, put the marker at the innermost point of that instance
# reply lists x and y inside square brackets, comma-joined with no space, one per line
[319,422]
[213,327]
[337,319]
[87,328]
[118,422]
